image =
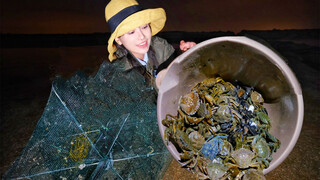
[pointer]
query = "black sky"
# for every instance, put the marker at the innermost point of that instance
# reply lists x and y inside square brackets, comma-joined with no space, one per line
[87,16]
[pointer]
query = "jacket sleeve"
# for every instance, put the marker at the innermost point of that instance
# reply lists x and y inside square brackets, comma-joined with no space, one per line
[165,52]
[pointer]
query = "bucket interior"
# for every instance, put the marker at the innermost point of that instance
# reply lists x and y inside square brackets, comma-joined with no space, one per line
[249,62]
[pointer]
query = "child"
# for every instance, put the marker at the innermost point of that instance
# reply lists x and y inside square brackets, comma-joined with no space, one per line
[132,44]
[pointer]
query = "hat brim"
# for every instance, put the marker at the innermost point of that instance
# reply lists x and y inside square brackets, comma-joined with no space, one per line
[155,17]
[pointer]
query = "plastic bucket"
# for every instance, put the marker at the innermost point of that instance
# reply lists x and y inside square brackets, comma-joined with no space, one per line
[245,60]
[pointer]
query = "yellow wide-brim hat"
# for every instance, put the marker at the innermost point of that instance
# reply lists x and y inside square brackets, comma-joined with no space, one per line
[123,16]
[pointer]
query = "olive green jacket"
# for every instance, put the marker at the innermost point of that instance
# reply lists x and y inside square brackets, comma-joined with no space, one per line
[163,52]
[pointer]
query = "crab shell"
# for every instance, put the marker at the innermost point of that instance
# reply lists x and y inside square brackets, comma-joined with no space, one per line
[256,98]
[197,139]
[261,147]
[211,148]
[189,103]
[243,157]
[216,170]
[251,174]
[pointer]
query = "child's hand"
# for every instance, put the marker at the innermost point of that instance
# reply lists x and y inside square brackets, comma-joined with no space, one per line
[184,46]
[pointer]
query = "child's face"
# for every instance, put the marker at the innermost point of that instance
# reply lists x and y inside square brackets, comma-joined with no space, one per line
[136,41]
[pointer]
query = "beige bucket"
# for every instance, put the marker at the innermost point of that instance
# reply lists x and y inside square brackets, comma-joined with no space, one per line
[245,60]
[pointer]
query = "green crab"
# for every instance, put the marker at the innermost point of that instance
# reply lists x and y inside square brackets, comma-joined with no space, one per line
[205,111]
[223,114]
[196,139]
[262,120]
[189,159]
[193,159]
[188,119]
[207,97]
[172,123]
[218,89]
[273,142]
[226,148]
[210,82]
[226,114]
[230,88]
[182,139]
[243,158]
[216,169]
[189,103]
[256,98]
[250,174]
[226,99]
[262,150]
[205,85]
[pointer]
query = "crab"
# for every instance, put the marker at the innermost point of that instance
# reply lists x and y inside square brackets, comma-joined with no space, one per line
[189,103]
[188,119]
[252,128]
[243,93]
[262,120]
[168,121]
[256,98]
[205,111]
[230,88]
[218,89]
[226,148]
[194,161]
[189,159]
[172,123]
[208,98]
[262,150]
[225,99]
[199,167]
[175,130]
[216,169]
[182,140]
[196,139]
[273,142]
[212,147]
[203,128]
[242,141]
[224,114]
[243,158]
[210,82]
[250,174]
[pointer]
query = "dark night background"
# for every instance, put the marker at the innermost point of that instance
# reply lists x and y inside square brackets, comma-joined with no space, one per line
[42,39]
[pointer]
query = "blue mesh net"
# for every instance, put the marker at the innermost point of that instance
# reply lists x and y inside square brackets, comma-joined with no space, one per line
[101,127]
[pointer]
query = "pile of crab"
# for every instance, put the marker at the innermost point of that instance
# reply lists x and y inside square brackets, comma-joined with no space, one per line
[222,131]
